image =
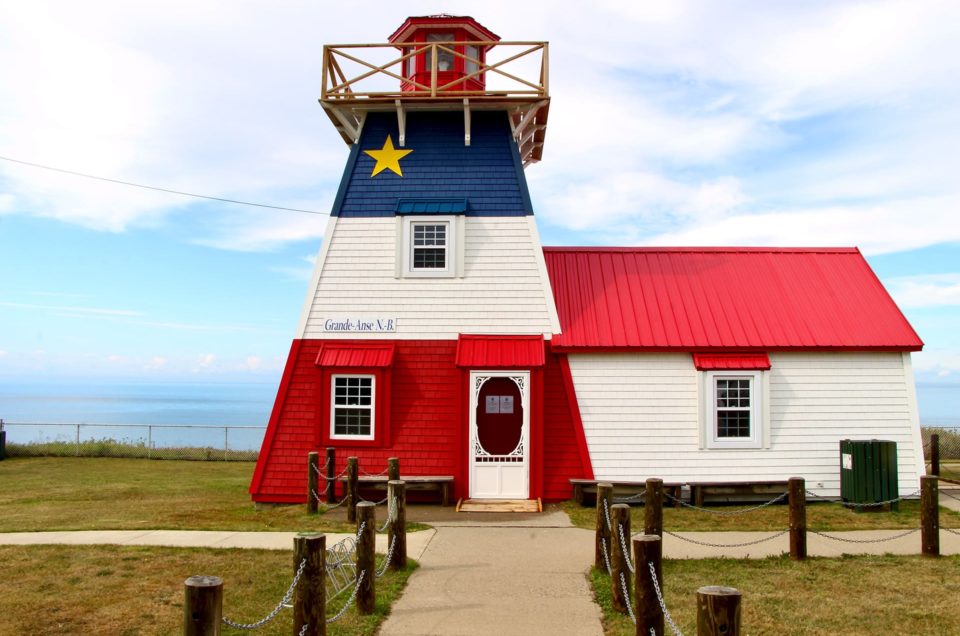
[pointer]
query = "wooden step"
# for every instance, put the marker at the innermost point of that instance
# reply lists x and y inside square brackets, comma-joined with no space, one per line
[499,505]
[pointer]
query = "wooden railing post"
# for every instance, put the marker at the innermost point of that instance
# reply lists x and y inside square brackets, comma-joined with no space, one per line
[718,611]
[653,507]
[353,476]
[202,606]
[393,469]
[620,518]
[929,515]
[397,491]
[313,496]
[797,496]
[602,538]
[647,548]
[310,595]
[331,465]
[935,454]
[366,556]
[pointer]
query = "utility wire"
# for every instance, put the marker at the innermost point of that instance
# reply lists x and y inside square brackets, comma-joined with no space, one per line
[147,187]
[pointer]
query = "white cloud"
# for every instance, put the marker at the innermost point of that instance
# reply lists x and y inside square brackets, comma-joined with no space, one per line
[156,363]
[263,231]
[205,362]
[932,290]
[95,311]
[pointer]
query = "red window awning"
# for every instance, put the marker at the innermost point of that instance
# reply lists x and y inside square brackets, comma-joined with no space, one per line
[355,355]
[500,351]
[725,361]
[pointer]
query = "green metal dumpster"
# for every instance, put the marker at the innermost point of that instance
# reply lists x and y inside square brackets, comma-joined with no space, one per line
[868,471]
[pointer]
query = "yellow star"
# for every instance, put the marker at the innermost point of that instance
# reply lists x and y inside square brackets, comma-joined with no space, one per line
[387,157]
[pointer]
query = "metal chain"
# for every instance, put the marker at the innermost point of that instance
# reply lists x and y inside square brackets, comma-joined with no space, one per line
[623,548]
[726,513]
[875,504]
[637,497]
[303,630]
[951,530]
[380,474]
[335,477]
[386,561]
[606,512]
[944,492]
[363,525]
[391,512]
[606,557]
[353,597]
[375,503]
[626,597]
[272,615]
[726,545]
[848,540]
[336,505]
[663,606]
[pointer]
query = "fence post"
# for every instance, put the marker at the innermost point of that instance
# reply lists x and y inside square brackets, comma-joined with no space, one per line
[397,491]
[352,485]
[78,441]
[935,454]
[3,441]
[653,507]
[202,606]
[393,468]
[331,482]
[718,611]
[313,465]
[620,517]
[648,548]
[366,556]
[149,442]
[797,500]
[929,515]
[602,540]
[310,595]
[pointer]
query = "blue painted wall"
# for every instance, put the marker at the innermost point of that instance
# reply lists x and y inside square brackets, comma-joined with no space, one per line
[487,173]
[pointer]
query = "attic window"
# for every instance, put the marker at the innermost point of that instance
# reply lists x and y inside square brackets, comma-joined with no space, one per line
[430,246]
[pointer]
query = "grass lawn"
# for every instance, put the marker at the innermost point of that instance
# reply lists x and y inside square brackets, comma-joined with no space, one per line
[821,516]
[852,595]
[139,590]
[88,493]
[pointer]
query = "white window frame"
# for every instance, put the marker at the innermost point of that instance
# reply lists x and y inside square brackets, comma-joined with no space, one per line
[372,407]
[405,251]
[759,414]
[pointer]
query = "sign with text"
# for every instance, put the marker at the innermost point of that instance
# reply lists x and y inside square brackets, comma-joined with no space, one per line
[360,324]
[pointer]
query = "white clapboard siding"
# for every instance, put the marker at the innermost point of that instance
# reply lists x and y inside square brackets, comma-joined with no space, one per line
[642,417]
[504,288]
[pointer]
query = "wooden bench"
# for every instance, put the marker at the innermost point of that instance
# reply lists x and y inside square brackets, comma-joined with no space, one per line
[439,483]
[583,487]
[729,491]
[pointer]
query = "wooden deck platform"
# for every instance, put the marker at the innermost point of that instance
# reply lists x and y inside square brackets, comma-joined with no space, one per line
[499,505]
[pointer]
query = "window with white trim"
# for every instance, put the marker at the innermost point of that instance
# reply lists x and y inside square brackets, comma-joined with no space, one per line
[352,406]
[428,247]
[733,409]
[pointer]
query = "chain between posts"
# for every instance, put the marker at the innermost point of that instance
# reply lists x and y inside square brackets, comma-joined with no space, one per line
[380,474]
[663,605]
[944,492]
[386,561]
[726,545]
[353,597]
[951,530]
[272,615]
[874,504]
[303,630]
[606,557]
[626,595]
[881,540]
[626,552]
[391,512]
[726,513]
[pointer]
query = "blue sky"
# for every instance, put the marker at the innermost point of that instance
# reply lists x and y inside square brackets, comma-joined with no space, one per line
[680,123]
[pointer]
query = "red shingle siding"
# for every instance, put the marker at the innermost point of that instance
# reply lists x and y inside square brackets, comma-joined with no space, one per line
[561,456]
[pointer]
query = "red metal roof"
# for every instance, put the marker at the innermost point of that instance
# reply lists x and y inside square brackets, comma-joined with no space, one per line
[500,351]
[723,299]
[723,361]
[355,355]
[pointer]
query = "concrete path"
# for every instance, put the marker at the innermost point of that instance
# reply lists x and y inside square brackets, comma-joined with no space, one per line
[500,577]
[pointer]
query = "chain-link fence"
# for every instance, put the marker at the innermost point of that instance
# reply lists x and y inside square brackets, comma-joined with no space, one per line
[949,446]
[147,441]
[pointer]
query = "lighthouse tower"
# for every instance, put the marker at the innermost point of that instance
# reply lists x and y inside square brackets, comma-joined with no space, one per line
[426,328]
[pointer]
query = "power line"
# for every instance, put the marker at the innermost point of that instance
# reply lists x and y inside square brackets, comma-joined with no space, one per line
[148,187]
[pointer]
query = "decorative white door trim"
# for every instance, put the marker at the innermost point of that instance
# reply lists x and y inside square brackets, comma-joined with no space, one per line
[499,476]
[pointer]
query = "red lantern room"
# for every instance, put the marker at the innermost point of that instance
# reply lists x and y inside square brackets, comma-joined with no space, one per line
[452,47]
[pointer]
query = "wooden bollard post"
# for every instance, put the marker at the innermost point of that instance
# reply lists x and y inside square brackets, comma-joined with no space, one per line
[929,515]
[331,465]
[935,454]
[653,507]
[397,492]
[393,468]
[310,595]
[313,496]
[202,606]
[353,475]
[620,517]
[366,556]
[797,501]
[647,548]
[602,539]
[718,611]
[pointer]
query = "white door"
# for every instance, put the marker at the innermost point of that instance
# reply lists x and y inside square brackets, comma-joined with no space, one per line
[499,434]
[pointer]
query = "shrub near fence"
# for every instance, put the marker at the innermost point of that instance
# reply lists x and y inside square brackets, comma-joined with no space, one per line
[146,441]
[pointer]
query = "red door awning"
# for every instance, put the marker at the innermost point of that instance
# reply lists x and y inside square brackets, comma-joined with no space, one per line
[515,352]
[355,355]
